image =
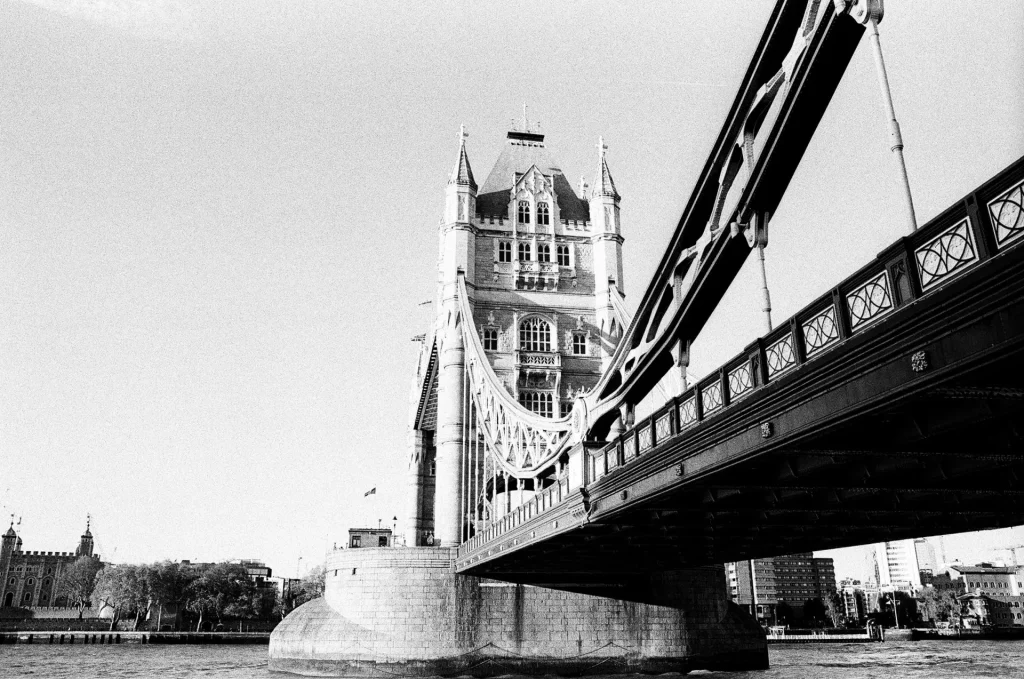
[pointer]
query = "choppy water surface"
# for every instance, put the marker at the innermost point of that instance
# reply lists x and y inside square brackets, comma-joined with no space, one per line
[891,660]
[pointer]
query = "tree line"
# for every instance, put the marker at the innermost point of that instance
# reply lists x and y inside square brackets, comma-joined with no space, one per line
[144,591]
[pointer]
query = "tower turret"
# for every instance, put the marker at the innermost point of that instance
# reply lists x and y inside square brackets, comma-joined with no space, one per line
[85,545]
[459,208]
[8,546]
[604,214]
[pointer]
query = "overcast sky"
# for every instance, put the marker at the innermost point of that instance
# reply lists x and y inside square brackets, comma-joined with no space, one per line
[217,220]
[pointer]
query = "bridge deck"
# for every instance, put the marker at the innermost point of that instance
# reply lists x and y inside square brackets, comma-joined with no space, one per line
[891,407]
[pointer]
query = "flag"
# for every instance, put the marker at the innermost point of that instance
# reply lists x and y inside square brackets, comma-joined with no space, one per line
[372,491]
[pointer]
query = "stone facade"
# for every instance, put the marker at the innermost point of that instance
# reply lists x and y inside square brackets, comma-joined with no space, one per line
[541,264]
[404,611]
[29,577]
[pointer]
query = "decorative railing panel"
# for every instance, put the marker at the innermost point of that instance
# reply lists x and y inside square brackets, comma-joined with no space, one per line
[820,331]
[711,397]
[948,253]
[740,380]
[1007,213]
[663,426]
[687,412]
[870,301]
[644,440]
[780,355]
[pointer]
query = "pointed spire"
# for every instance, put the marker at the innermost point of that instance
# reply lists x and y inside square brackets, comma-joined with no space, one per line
[463,173]
[605,184]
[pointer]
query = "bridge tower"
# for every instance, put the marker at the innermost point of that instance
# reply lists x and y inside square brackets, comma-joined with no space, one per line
[540,265]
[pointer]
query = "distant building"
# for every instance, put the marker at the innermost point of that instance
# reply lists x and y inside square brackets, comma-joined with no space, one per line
[743,585]
[896,566]
[30,578]
[855,606]
[994,594]
[257,571]
[792,580]
[800,577]
[370,537]
[925,552]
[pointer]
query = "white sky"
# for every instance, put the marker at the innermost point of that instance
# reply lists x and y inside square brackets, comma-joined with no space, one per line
[217,220]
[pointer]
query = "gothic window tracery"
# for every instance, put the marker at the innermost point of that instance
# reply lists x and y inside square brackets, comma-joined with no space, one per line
[534,335]
[539,402]
[490,339]
[563,255]
[504,251]
[543,252]
[543,214]
[525,253]
[524,212]
[579,344]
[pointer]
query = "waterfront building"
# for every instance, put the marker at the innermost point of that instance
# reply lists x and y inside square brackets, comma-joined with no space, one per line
[30,577]
[896,566]
[752,586]
[855,603]
[794,580]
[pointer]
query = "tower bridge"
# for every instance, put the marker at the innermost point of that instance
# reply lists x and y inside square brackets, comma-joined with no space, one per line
[889,407]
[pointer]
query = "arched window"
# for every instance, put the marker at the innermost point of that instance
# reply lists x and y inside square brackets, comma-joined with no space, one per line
[31,581]
[524,212]
[504,251]
[534,335]
[543,253]
[524,252]
[46,582]
[537,401]
[11,581]
[490,339]
[563,255]
[579,344]
[543,214]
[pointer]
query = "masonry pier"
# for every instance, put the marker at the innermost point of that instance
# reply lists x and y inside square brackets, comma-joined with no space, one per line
[406,612]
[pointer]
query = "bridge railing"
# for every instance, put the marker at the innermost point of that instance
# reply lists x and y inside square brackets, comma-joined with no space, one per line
[984,224]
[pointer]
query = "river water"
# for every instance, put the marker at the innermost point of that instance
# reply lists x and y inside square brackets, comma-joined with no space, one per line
[889,660]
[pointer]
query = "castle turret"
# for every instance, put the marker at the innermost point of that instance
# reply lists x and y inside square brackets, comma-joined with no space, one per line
[8,546]
[85,545]
[604,213]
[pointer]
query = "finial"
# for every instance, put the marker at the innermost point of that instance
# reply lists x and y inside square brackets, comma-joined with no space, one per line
[601,146]
[88,522]
[526,120]
[463,135]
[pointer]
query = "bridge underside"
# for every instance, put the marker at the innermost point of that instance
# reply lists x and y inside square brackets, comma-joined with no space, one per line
[879,442]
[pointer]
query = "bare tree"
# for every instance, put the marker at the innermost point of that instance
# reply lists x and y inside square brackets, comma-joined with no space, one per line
[77,581]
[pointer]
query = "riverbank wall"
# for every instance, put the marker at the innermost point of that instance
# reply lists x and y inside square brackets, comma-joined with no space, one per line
[112,638]
[405,611]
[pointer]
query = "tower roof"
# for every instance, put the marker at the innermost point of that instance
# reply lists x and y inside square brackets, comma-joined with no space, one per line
[605,184]
[10,531]
[462,175]
[522,151]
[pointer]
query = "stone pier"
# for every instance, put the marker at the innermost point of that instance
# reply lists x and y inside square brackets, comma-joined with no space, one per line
[406,612]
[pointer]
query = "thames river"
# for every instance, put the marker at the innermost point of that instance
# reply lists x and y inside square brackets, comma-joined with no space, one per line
[890,660]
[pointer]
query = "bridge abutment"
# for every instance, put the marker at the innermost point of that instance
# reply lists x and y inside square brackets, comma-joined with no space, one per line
[406,612]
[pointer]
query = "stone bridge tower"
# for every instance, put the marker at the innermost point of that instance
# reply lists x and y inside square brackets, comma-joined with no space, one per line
[542,267]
